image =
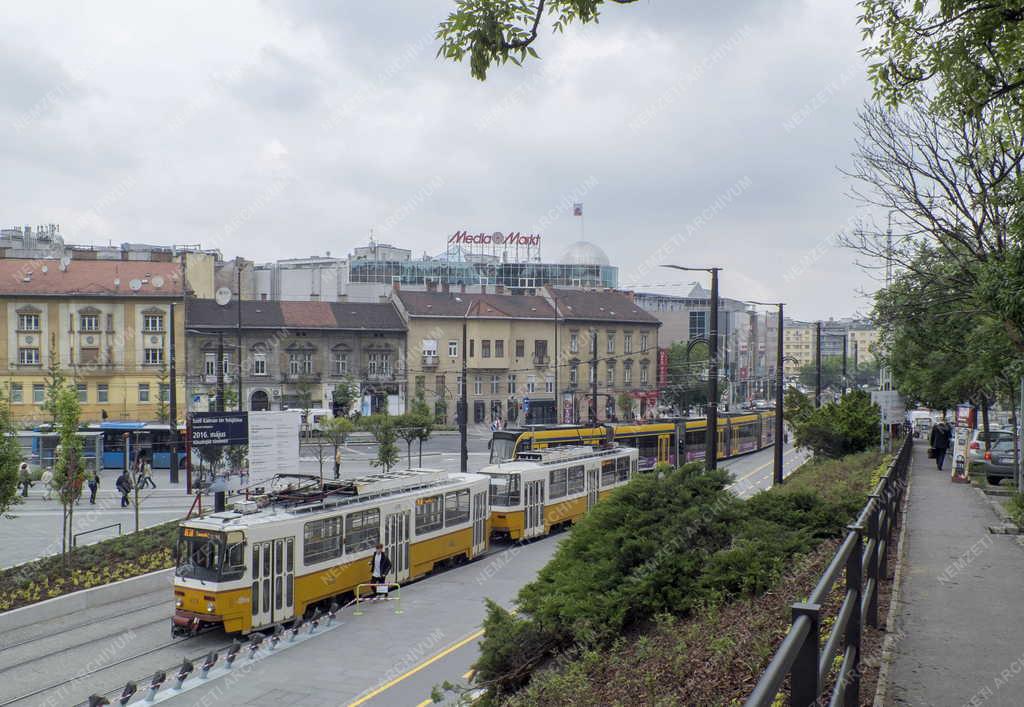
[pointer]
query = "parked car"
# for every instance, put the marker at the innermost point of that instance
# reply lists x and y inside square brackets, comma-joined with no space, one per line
[997,463]
[976,447]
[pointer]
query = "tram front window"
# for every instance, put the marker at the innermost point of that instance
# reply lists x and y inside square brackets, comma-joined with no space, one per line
[504,489]
[209,556]
[503,448]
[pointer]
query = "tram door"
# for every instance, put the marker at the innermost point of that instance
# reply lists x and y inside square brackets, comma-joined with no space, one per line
[663,448]
[479,523]
[273,583]
[396,543]
[593,475]
[534,509]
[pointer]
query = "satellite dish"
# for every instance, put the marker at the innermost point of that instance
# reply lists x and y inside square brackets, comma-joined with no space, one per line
[135,284]
[65,261]
[158,282]
[45,269]
[223,296]
[117,282]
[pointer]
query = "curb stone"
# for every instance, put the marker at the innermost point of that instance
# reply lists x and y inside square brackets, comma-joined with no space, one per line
[889,644]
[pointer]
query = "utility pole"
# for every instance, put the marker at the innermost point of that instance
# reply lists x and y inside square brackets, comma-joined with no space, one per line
[779,394]
[846,342]
[173,401]
[817,365]
[238,334]
[463,407]
[220,371]
[556,355]
[593,377]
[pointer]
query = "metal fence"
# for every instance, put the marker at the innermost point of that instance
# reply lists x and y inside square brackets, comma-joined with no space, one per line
[862,555]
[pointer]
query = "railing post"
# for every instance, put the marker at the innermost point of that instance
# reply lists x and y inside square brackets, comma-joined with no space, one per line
[854,583]
[873,538]
[803,676]
[886,531]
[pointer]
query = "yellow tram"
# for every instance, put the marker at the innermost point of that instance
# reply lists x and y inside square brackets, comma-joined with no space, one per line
[297,543]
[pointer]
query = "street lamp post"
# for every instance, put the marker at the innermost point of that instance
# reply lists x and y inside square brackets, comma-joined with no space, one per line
[173,374]
[711,441]
[779,393]
[463,406]
[817,365]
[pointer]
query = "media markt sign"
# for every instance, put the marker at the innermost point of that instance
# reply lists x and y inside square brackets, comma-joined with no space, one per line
[221,429]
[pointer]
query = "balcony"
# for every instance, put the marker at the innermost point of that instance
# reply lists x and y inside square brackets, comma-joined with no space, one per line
[541,360]
[311,377]
[431,361]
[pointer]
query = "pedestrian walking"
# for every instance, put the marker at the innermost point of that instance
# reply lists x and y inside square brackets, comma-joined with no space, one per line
[24,479]
[940,439]
[337,463]
[380,566]
[124,485]
[94,486]
[47,481]
[145,473]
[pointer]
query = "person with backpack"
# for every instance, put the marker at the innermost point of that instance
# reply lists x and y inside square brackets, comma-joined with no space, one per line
[94,485]
[124,485]
[380,566]
[47,481]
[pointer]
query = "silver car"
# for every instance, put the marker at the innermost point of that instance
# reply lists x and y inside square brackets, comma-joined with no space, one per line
[976,447]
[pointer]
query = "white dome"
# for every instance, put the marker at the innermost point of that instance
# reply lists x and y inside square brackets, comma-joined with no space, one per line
[584,253]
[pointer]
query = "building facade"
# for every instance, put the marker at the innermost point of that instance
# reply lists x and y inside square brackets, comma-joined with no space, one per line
[858,336]
[529,358]
[105,322]
[295,354]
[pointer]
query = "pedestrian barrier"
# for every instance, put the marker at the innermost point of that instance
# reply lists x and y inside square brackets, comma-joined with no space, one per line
[863,557]
[74,538]
[375,591]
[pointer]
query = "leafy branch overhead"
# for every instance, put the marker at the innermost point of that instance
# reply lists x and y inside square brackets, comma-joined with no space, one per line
[493,32]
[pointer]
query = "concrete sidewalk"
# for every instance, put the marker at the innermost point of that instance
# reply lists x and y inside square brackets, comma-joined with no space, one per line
[959,637]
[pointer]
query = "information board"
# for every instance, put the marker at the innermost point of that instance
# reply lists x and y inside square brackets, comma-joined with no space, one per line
[273,442]
[891,404]
[219,429]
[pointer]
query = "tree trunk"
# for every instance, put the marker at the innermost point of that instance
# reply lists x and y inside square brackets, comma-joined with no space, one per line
[984,421]
[64,538]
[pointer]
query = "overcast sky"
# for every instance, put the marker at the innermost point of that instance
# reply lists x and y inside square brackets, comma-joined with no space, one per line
[694,133]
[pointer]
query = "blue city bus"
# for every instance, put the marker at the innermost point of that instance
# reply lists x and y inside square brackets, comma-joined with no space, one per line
[39,447]
[153,437]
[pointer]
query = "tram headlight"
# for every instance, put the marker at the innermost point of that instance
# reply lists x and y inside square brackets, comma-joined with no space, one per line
[177,603]
[209,607]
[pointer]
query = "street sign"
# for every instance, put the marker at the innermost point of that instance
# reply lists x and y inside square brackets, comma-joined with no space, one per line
[526,404]
[219,428]
[891,404]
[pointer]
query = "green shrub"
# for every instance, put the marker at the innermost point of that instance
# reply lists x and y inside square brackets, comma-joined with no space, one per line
[837,429]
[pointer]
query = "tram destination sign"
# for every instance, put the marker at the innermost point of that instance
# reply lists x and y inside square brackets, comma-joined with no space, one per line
[219,429]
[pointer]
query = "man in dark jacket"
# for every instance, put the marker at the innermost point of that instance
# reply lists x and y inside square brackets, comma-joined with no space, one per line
[124,485]
[380,566]
[940,440]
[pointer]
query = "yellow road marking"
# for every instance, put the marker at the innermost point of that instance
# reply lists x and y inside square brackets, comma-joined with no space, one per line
[762,467]
[430,661]
[424,703]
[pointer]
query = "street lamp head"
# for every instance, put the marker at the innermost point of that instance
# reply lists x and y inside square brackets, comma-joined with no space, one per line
[680,267]
[764,304]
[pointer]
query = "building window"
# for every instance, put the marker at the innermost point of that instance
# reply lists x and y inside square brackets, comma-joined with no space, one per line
[439,387]
[495,385]
[643,342]
[611,374]
[698,325]
[83,392]
[28,357]
[627,342]
[531,384]
[540,350]
[499,348]
[340,364]
[28,322]
[458,384]
[143,392]
[16,393]
[88,322]
[154,357]
[611,341]
[574,342]
[102,393]
[478,386]
[453,348]
[643,374]
[38,392]
[574,369]
[210,365]
[472,348]
[259,364]
[627,373]
[592,378]
[511,383]
[379,363]
[421,384]
[430,347]
[429,514]
[110,322]
[165,393]
[520,348]
[153,323]
[300,363]
[549,384]
[485,348]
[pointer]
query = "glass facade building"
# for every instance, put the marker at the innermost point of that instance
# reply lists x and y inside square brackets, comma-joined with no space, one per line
[463,272]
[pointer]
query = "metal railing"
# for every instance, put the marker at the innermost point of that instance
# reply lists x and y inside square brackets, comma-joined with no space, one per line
[74,538]
[862,555]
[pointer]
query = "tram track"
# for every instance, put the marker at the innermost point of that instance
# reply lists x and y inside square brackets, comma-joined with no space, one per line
[77,626]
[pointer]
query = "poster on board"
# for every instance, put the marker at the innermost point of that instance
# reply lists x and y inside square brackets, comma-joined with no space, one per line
[273,442]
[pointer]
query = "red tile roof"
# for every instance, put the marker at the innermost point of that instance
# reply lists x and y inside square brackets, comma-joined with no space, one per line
[308,314]
[105,278]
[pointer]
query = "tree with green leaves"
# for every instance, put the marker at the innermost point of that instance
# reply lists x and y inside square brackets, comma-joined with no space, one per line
[69,469]
[407,430]
[426,422]
[382,427]
[335,432]
[10,459]
[53,384]
[832,373]
[971,51]
[162,409]
[305,399]
[837,429]
[494,32]
[344,396]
